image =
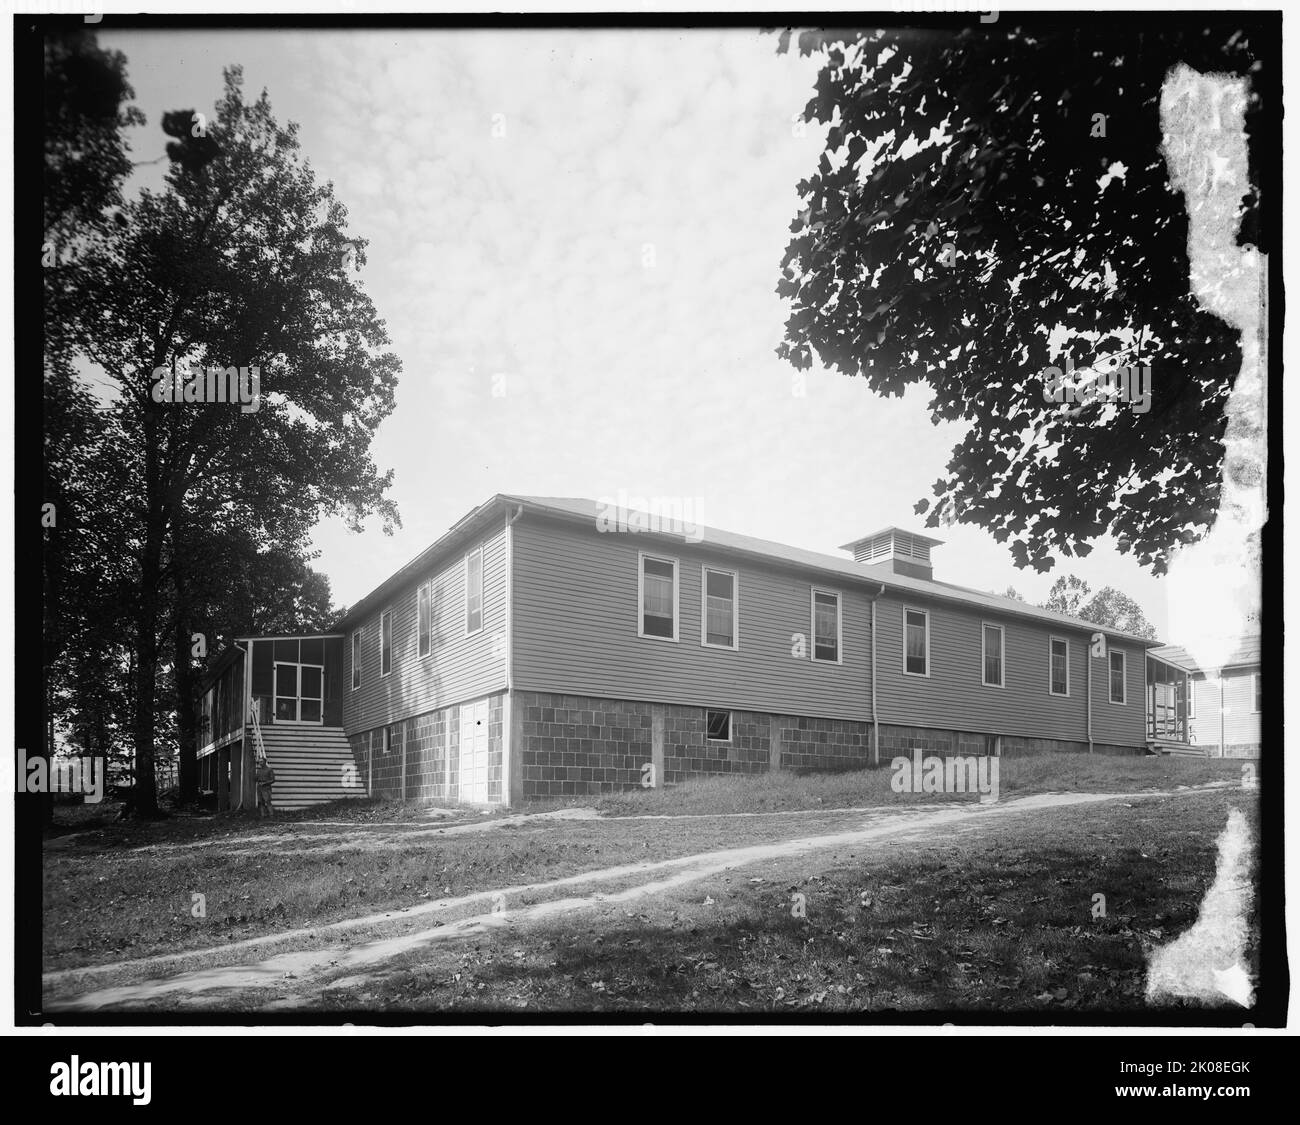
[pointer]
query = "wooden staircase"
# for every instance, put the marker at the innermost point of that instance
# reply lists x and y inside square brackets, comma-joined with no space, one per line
[312,765]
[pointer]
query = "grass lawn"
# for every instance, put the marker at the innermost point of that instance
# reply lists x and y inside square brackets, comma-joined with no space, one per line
[1001,919]
[124,890]
[1018,777]
[121,896]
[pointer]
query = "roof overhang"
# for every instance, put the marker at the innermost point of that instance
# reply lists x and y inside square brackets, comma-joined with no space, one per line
[466,528]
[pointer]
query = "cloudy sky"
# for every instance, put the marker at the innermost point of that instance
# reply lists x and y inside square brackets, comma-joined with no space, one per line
[575,239]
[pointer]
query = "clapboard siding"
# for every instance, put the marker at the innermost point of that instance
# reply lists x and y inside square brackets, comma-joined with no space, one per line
[459,667]
[575,629]
[1240,722]
[311,764]
[954,695]
[1126,724]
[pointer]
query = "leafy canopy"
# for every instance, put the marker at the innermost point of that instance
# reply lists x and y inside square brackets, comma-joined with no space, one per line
[961,225]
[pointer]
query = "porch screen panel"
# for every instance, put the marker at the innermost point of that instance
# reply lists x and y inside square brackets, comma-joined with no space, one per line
[286,692]
[312,694]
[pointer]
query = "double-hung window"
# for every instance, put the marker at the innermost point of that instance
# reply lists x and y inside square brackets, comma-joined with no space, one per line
[658,598]
[1118,668]
[424,619]
[474,591]
[994,656]
[1059,666]
[826,626]
[720,623]
[916,642]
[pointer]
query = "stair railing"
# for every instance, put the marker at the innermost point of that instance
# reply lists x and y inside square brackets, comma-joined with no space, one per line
[257,730]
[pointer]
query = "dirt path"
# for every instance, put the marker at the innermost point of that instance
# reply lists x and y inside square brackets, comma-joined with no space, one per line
[194,978]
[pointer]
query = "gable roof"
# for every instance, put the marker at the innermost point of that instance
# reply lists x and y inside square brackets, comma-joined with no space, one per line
[505,506]
[462,531]
[1246,653]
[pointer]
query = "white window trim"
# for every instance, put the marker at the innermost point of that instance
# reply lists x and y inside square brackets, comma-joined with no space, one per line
[357,649]
[1065,641]
[926,674]
[705,571]
[299,722]
[1254,692]
[427,587]
[1191,697]
[392,643]
[839,624]
[1110,695]
[1002,655]
[482,597]
[717,711]
[641,557]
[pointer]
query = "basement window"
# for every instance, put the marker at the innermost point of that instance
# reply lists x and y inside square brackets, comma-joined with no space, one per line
[717,726]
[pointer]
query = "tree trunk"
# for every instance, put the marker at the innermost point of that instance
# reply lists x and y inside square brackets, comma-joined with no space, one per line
[187,769]
[144,791]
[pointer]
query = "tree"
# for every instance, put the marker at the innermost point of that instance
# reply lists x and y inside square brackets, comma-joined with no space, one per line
[230,585]
[1014,594]
[1110,607]
[86,157]
[84,553]
[239,263]
[1067,595]
[1115,609]
[961,223]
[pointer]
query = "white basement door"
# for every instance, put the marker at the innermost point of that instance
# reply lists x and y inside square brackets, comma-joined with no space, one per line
[474,751]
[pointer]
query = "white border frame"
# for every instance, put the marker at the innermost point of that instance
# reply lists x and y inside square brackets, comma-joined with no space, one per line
[392,642]
[641,557]
[926,674]
[1256,689]
[812,624]
[1065,641]
[358,647]
[1111,651]
[705,569]
[1002,653]
[482,598]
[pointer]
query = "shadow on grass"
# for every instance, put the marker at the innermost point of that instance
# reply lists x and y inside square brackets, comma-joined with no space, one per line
[994,925]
